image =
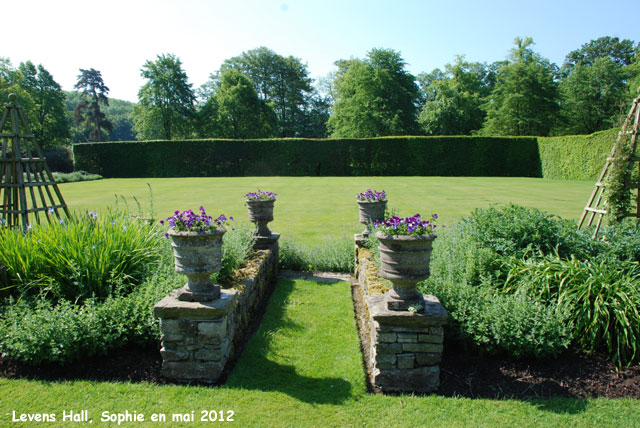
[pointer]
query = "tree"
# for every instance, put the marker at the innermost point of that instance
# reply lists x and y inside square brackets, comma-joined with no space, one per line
[48,120]
[374,97]
[524,100]
[281,81]
[454,98]
[165,106]
[620,52]
[87,112]
[241,114]
[592,96]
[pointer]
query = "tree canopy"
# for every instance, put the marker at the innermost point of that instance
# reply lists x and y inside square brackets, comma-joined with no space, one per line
[524,100]
[165,102]
[374,97]
[88,113]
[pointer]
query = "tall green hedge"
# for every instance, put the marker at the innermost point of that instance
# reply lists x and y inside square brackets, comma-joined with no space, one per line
[577,157]
[393,156]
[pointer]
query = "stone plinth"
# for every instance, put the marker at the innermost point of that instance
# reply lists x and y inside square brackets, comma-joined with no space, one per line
[199,338]
[406,348]
[196,336]
[266,242]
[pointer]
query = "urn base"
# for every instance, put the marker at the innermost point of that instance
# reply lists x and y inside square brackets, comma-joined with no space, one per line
[186,295]
[395,302]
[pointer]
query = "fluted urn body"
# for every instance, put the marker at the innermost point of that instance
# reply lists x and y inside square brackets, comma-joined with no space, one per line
[198,255]
[261,213]
[404,260]
[370,212]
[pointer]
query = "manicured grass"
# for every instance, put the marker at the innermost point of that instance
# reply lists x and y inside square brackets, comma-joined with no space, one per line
[302,368]
[311,209]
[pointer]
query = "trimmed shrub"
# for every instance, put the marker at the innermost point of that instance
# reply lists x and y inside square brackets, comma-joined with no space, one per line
[59,159]
[575,157]
[398,156]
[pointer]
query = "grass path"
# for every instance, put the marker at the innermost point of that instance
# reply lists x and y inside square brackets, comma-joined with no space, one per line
[314,208]
[302,368]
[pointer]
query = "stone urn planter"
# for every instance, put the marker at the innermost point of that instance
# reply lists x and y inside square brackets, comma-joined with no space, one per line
[404,261]
[261,213]
[370,212]
[197,255]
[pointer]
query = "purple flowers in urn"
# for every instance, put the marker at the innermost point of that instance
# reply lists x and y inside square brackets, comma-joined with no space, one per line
[372,196]
[414,225]
[188,221]
[260,196]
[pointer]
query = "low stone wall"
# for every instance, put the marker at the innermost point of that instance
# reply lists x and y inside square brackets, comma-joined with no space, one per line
[405,348]
[199,338]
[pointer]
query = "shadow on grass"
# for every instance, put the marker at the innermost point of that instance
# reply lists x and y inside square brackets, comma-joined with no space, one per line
[255,370]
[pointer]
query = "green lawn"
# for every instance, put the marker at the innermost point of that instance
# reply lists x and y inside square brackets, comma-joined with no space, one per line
[311,209]
[302,368]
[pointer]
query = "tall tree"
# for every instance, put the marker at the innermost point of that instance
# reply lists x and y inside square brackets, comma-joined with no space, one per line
[592,96]
[165,106]
[51,126]
[621,52]
[241,114]
[87,112]
[524,100]
[376,96]
[454,98]
[282,81]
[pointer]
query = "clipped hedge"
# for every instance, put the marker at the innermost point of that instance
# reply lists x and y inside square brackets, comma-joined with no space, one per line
[575,157]
[385,156]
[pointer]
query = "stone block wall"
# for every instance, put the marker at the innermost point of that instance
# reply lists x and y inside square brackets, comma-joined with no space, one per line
[199,338]
[405,348]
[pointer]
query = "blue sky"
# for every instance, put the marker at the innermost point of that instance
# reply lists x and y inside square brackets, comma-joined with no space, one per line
[117,37]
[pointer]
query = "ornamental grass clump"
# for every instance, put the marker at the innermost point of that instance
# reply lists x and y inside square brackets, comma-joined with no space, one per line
[413,225]
[84,256]
[260,196]
[372,196]
[188,221]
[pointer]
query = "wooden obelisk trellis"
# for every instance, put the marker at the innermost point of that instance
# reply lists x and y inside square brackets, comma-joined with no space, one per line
[27,187]
[627,137]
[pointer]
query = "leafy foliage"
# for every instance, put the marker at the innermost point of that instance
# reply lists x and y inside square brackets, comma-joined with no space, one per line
[165,106]
[86,256]
[525,98]
[395,156]
[512,271]
[374,97]
[87,112]
[48,120]
[334,255]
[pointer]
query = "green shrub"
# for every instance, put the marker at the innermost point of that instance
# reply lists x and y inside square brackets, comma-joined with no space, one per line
[85,256]
[237,247]
[601,296]
[73,177]
[549,274]
[575,157]
[35,329]
[397,156]
[335,255]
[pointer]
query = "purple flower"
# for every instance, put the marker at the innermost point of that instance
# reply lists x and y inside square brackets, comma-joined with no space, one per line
[413,225]
[260,196]
[372,196]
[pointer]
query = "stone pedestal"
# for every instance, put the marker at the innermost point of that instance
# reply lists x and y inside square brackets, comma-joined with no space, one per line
[200,337]
[266,242]
[406,347]
[196,336]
